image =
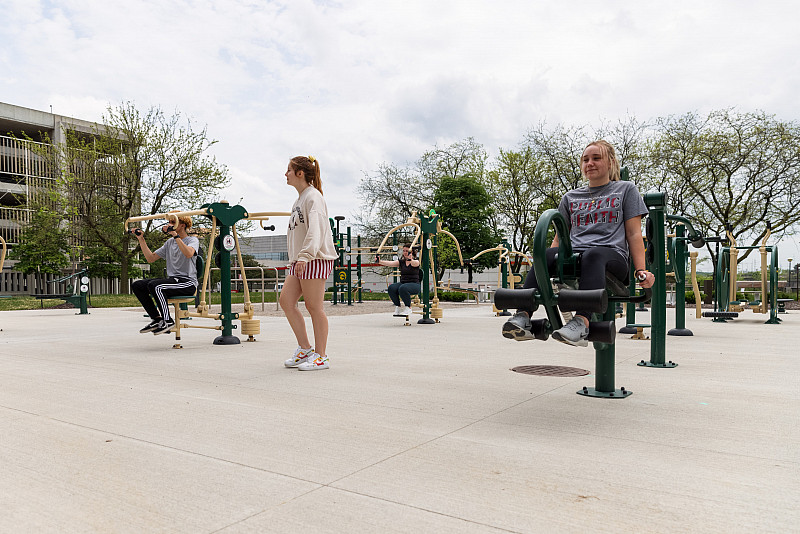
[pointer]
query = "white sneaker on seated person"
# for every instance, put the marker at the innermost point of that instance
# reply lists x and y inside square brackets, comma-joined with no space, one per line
[573,333]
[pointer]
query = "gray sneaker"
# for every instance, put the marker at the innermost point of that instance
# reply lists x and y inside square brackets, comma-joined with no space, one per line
[518,327]
[573,333]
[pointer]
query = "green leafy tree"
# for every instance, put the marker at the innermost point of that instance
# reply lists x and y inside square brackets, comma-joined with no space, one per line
[464,206]
[520,192]
[44,244]
[136,163]
[103,263]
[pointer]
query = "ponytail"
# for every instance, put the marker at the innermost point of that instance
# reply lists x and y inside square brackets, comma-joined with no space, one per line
[310,167]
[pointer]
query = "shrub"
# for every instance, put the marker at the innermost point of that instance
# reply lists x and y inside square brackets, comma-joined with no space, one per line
[689,299]
[452,296]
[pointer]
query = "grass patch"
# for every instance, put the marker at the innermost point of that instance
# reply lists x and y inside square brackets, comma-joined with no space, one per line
[130,301]
[27,303]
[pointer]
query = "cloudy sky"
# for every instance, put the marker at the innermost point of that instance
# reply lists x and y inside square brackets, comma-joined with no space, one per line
[358,83]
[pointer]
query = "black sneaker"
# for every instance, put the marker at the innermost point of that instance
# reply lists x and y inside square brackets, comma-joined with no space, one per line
[518,327]
[164,327]
[152,326]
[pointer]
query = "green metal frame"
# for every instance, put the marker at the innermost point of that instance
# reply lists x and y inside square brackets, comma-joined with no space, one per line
[568,271]
[656,263]
[79,298]
[343,244]
[723,282]
[677,263]
[429,227]
[227,216]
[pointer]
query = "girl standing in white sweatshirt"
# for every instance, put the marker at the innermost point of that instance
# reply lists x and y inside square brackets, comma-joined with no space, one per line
[311,256]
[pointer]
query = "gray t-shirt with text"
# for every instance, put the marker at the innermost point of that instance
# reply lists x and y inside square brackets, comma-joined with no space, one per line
[177,263]
[596,215]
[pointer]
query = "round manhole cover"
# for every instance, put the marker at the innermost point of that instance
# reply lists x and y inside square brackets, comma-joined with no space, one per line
[549,370]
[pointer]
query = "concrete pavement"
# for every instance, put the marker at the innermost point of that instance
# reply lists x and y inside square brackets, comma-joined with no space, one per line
[413,429]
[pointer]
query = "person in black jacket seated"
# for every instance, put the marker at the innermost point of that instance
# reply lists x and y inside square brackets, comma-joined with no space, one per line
[409,280]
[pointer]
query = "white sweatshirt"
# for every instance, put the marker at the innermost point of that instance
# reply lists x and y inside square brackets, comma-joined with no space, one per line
[309,236]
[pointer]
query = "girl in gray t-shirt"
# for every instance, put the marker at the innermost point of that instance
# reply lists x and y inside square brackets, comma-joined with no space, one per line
[604,219]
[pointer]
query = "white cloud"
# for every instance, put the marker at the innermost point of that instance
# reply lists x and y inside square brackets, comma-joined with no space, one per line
[359,83]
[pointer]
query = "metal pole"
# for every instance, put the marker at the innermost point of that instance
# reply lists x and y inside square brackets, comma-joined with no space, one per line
[349,270]
[226,316]
[657,204]
[428,226]
[394,247]
[679,269]
[340,260]
[358,268]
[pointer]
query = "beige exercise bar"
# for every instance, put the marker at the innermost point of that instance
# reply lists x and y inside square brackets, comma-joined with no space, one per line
[169,216]
[396,228]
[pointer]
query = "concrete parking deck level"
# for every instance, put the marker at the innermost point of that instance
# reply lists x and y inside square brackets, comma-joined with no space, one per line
[419,428]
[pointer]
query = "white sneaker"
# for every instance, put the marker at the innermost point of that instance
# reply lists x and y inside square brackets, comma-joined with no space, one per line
[405,311]
[317,364]
[397,311]
[573,333]
[300,356]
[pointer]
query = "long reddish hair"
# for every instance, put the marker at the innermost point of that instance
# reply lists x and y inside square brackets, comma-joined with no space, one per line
[310,167]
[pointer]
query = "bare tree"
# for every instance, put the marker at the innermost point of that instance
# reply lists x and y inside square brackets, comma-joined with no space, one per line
[558,149]
[731,168]
[392,193]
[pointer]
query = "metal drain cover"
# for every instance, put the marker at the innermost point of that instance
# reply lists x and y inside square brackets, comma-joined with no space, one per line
[549,370]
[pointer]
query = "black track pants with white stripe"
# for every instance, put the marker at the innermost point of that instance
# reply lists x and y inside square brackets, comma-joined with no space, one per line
[154,292]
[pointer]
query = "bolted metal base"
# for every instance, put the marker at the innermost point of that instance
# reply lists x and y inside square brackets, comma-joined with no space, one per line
[227,340]
[668,365]
[627,330]
[680,332]
[426,321]
[616,394]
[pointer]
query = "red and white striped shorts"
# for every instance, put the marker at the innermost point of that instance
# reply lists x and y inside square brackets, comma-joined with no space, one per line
[314,269]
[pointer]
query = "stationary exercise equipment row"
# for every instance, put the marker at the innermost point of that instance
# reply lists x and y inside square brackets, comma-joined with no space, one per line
[223,237]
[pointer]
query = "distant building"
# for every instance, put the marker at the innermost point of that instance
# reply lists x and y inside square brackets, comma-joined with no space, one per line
[269,250]
[25,170]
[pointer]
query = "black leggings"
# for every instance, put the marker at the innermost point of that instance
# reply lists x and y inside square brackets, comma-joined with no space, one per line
[154,292]
[594,264]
